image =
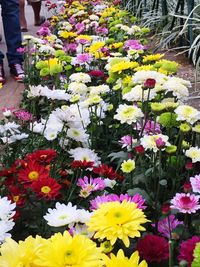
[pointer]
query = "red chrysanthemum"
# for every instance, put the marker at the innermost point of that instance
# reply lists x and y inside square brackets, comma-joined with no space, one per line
[17,195]
[31,172]
[82,164]
[186,249]
[42,156]
[105,171]
[96,73]
[153,248]
[47,188]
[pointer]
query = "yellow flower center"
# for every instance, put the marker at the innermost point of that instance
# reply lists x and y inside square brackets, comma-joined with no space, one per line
[15,198]
[33,175]
[45,189]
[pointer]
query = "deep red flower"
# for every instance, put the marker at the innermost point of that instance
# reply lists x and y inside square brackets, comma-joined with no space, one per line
[105,171]
[186,249]
[189,165]
[96,73]
[33,171]
[82,164]
[153,248]
[187,187]
[166,208]
[17,195]
[139,149]
[47,188]
[149,83]
[42,156]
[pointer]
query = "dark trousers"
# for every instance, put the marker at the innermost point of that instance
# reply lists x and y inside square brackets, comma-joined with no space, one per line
[12,31]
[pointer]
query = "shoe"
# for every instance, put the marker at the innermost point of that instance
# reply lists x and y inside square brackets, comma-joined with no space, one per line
[2,74]
[42,20]
[24,29]
[17,71]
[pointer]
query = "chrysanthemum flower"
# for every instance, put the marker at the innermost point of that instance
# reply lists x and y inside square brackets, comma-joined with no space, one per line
[120,260]
[185,203]
[187,113]
[93,184]
[193,153]
[20,254]
[186,250]
[65,250]
[153,248]
[114,220]
[31,172]
[47,188]
[42,156]
[195,182]
[167,225]
[128,114]
[128,166]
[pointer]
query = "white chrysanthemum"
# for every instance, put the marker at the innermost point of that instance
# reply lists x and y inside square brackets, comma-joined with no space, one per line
[37,127]
[193,153]
[64,25]
[10,127]
[50,134]
[77,88]
[83,216]
[177,87]
[109,183]
[5,227]
[35,91]
[58,94]
[77,134]
[128,114]
[6,208]
[16,137]
[81,229]
[149,141]
[61,215]
[47,49]
[80,77]
[82,154]
[99,89]
[94,17]
[138,94]
[187,113]
[133,29]
[142,75]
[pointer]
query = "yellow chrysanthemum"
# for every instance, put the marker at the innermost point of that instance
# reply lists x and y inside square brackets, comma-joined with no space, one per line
[123,65]
[128,166]
[95,47]
[121,261]
[152,57]
[116,45]
[1,85]
[66,34]
[115,220]
[145,67]
[85,37]
[63,250]
[108,12]
[126,80]
[15,254]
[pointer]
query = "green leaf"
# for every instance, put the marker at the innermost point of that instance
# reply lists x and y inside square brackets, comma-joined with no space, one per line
[142,192]
[118,155]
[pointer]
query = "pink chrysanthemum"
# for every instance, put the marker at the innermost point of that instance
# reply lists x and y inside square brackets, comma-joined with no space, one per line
[95,203]
[153,248]
[93,184]
[186,250]
[195,182]
[185,203]
[23,115]
[167,225]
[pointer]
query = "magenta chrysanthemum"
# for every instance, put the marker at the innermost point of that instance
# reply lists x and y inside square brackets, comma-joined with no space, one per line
[185,203]
[186,249]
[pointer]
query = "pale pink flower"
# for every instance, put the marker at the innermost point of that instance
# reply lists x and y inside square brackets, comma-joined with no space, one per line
[195,182]
[91,184]
[185,203]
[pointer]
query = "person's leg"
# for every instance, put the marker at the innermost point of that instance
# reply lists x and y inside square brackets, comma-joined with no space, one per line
[36,5]
[23,22]
[12,32]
